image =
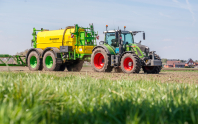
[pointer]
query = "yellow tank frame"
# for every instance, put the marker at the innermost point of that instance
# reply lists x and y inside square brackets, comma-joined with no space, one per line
[82,43]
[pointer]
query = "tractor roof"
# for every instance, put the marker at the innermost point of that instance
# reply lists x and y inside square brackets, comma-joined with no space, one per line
[112,31]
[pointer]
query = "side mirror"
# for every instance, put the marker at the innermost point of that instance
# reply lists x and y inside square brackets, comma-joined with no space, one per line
[143,36]
[101,42]
[120,31]
[116,35]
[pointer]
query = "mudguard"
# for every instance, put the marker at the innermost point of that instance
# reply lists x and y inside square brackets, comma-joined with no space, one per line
[54,49]
[107,48]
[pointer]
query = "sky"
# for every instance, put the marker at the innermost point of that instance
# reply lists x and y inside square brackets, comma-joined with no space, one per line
[171,26]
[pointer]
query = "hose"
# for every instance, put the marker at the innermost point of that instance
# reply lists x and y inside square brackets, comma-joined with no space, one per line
[68,27]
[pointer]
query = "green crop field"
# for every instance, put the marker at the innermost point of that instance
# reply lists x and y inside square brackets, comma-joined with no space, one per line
[31,98]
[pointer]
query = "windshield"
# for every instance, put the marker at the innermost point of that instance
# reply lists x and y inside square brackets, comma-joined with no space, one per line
[110,38]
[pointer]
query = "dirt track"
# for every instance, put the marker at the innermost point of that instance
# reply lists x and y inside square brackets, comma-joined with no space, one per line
[164,77]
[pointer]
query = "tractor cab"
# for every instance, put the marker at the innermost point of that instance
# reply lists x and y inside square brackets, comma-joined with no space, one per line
[122,40]
[112,39]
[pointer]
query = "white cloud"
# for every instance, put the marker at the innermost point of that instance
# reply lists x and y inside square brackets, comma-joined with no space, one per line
[191,11]
[1,14]
[188,7]
[164,15]
[167,40]
[168,47]
[191,38]
[166,3]
[175,1]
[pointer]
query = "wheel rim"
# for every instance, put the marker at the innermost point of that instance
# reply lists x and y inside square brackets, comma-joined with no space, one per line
[49,62]
[128,64]
[99,60]
[33,61]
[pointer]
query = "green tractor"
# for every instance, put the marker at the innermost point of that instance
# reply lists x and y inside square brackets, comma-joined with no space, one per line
[119,51]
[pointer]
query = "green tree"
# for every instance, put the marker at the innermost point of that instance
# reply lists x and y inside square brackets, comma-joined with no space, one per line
[182,61]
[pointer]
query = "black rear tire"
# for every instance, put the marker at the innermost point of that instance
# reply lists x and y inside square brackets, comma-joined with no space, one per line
[75,66]
[100,61]
[151,69]
[38,64]
[130,63]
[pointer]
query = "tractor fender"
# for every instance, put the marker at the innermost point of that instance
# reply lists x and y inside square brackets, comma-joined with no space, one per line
[55,50]
[102,46]
[38,50]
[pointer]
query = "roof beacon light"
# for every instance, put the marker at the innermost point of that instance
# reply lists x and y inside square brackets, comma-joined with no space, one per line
[124,27]
[106,27]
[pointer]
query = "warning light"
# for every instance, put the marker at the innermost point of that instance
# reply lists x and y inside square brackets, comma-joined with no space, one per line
[106,27]
[124,28]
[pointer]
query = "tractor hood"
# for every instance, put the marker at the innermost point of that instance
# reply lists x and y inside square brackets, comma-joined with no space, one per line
[143,48]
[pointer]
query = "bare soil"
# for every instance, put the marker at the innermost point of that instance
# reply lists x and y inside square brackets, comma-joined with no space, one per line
[180,69]
[164,77]
[20,68]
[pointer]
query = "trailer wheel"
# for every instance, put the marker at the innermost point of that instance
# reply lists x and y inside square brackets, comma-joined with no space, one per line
[34,62]
[100,61]
[49,62]
[130,63]
[75,66]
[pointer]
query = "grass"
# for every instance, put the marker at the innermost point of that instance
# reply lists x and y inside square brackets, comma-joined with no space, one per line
[44,98]
[179,70]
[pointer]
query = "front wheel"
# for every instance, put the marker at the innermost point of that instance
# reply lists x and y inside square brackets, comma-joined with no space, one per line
[130,63]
